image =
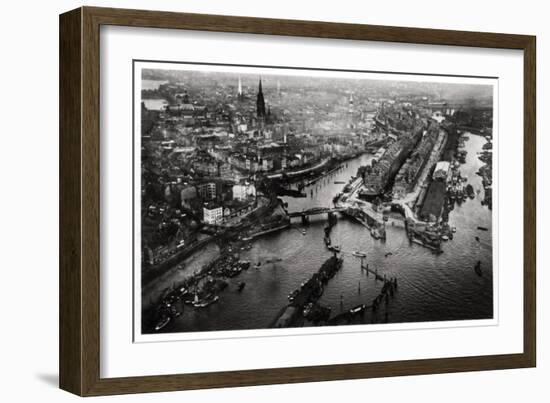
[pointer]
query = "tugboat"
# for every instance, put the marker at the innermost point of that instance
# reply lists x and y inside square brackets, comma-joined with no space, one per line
[477,268]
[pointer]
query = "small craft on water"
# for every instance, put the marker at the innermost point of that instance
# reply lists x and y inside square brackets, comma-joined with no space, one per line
[206,302]
[359,254]
[358,309]
[477,268]
[482,228]
[162,323]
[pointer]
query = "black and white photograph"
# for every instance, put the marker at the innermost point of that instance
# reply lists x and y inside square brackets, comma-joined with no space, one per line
[274,197]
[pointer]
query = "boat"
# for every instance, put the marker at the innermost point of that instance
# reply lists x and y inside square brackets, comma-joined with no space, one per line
[334,248]
[241,286]
[444,237]
[359,254]
[206,302]
[357,309]
[453,229]
[470,191]
[304,232]
[162,323]
[388,254]
[477,238]
[477,268]
[482,228]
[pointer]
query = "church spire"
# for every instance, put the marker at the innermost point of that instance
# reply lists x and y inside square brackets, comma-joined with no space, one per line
[260,102]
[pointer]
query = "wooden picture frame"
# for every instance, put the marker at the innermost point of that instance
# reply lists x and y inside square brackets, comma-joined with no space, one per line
[80,185]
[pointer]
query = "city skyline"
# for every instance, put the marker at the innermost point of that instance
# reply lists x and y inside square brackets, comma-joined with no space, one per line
[312,201]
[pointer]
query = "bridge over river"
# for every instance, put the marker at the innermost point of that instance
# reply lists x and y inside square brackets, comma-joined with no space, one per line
[316,211]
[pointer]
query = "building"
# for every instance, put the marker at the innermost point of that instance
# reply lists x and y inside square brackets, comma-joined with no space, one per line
[207,190]
[206,166]
[409,173]
[242,192]
[441,170]
[225,171]
[267,164]
[212,214]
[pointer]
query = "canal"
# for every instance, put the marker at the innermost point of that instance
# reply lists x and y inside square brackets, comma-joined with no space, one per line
[432,287]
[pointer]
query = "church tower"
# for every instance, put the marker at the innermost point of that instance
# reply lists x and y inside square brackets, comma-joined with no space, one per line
[240,96]
[260,102]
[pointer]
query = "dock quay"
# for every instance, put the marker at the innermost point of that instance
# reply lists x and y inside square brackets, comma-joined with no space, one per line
[309,292]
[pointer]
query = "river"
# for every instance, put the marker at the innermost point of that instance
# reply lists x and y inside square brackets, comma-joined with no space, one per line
[432,287]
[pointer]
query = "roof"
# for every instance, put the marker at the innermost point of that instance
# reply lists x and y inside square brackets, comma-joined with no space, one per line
[211,206]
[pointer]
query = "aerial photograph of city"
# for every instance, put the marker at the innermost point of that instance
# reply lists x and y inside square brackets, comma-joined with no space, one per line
[286,198]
